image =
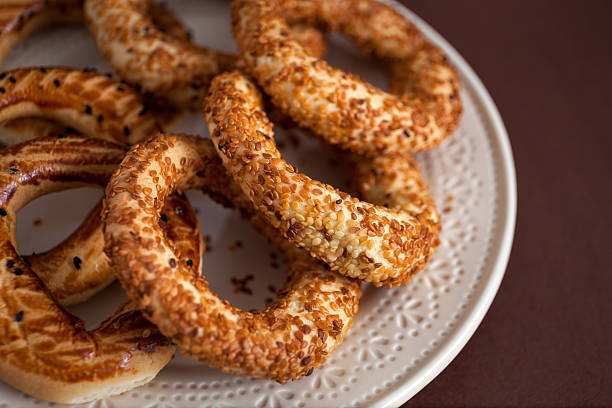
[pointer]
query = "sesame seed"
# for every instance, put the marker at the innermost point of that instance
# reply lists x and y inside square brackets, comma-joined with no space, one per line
[17,271]
[57,83]
[19,316]
[88,109]
[2,212]
[12,79]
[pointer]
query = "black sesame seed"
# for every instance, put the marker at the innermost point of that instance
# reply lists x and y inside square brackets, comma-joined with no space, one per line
[2,75]
[189,262]
[57,83]
[19,316]
[17,271]
[100,118]
[172,263]
[163,218]
[77,262]
[143,111]
[12,79]
[27,262]
[120,88]
[62,136]
[2,212]
[43,70]
[109,74]
[126,130]
[179,211]
[13,170]
[2,90]
[10,263]
[267,137]
[88,109]
[407,133]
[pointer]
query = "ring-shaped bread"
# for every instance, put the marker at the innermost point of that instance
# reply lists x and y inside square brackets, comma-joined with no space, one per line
[159,63]
[385,246]
[45,351]
[100,107]
[88,102]
[21,18]
[338,106]
[78,268]
[285,341]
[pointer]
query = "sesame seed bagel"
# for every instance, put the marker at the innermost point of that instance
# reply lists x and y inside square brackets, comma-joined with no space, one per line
[169,67]
[103,105]
[90,103]
[44,351]
[283,342]
[338,106]
[20,18]
[77,268]
[385,246]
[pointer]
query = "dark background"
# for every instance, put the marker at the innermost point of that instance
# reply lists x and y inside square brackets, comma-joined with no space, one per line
[547,339]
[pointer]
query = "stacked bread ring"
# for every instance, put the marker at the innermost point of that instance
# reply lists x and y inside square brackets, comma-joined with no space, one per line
[65,127]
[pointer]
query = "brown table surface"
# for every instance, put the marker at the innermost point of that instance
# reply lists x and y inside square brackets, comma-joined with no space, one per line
[547,339]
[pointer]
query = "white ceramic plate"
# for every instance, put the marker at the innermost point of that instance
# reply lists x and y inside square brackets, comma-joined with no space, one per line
[402,338]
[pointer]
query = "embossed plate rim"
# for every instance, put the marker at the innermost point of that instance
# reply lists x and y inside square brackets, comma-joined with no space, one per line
[504,236]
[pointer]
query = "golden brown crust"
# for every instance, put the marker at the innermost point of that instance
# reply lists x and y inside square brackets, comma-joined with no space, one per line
[285,341]
[90,103]
[83,98]
[338,106]
[357,239]
[77,268]
[43,350]
[158,62]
